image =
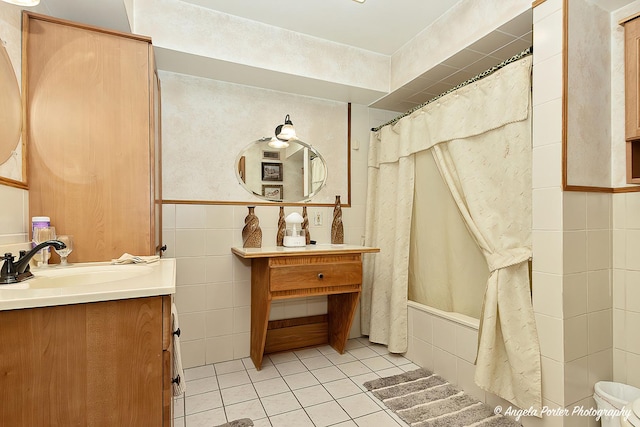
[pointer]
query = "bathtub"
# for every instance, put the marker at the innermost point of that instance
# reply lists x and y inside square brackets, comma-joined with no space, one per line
[445,343]
[458,318]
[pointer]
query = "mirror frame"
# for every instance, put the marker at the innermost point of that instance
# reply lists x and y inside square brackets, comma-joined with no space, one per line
[240,164]
[267,203]
[10,182]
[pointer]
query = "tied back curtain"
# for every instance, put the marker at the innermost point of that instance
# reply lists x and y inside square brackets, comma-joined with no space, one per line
[491,114]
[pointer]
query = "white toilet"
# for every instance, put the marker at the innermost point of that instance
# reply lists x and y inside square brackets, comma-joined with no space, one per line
[634,417]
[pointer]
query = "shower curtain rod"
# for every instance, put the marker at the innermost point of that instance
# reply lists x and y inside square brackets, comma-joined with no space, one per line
[528,51]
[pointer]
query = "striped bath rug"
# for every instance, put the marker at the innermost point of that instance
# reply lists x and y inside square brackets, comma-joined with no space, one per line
[243,422]
[422,399]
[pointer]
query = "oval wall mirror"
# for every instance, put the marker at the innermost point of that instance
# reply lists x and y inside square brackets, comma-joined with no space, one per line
[289,174]
[10,107]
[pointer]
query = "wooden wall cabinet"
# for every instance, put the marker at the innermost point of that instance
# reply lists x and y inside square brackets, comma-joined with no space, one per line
[94,364]
[632,98]
[92,128]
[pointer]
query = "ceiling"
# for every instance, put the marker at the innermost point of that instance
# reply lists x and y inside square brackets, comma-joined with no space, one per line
[101,13]
[501,44]
[380,26]
[340,21]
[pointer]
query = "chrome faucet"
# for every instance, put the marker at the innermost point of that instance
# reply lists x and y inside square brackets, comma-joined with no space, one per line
[18,271]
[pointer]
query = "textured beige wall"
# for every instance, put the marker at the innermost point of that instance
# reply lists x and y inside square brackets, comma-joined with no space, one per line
[589,96]
[206,123]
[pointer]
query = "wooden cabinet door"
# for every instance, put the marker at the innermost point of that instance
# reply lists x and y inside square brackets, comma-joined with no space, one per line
[95,364]
[632,79]
[89,134]
[632,98]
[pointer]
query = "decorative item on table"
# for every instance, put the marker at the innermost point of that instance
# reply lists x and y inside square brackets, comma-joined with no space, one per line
[251,233]
[282,225]
[337,230]
[305,225]
[294,234]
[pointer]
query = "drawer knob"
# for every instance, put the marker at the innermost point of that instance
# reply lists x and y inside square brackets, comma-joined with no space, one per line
[176,380]
[177,332]
[320,276]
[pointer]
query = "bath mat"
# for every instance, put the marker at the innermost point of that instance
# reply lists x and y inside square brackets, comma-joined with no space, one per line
[242,422]
[422,399]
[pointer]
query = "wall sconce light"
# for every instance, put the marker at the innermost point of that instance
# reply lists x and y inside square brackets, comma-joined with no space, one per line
[284,133]
[23,2]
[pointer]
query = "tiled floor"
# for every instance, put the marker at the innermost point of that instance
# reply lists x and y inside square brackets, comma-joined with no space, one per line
[312,387]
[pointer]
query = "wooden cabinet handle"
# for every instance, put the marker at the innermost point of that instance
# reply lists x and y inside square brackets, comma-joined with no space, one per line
[320,276]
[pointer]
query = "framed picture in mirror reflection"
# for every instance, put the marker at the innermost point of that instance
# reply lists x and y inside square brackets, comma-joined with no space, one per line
[272,192]
[271,171]
[270,155]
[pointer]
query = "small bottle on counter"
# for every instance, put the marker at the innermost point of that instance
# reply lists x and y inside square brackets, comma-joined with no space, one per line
[40,222]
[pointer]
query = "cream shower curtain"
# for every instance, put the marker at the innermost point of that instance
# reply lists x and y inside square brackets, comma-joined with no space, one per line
[481,137]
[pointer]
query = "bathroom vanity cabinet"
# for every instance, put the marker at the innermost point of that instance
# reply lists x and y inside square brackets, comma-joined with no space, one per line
[93,364]
[280,273]
[92,130]
[632,97]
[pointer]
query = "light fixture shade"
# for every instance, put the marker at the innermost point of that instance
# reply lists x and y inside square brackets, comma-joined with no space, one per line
[277,143]
[23,2]
[286,131]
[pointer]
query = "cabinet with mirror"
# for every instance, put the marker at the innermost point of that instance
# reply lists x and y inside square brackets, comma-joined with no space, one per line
[281,174]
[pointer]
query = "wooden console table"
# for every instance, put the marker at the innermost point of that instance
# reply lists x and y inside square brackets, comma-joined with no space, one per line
[279,273]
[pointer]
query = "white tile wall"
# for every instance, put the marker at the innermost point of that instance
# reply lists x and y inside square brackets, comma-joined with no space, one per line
[547,236]
[626,288]
[587,294]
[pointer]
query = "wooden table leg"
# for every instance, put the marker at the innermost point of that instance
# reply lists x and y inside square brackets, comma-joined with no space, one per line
[260,308]
[341,309]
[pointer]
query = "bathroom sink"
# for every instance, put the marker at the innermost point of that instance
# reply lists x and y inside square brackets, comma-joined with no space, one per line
[81,275]
[89,282]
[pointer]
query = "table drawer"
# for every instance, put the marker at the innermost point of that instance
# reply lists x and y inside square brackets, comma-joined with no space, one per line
[295,277]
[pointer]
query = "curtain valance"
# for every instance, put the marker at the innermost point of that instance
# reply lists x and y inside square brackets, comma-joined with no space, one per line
[467,112]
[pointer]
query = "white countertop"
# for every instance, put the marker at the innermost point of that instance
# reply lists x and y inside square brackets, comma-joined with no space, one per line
[129,281]
[321,249]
